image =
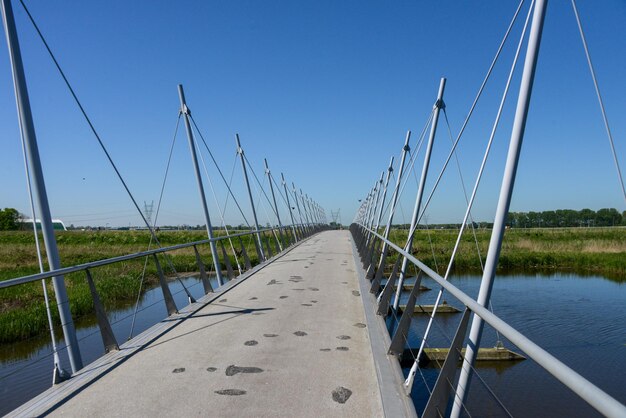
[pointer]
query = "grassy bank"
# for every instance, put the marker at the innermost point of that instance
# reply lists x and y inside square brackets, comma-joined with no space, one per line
[599,251]
[22,309]
[583,251]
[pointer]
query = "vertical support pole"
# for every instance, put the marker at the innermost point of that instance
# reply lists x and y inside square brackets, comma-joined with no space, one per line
[506,191]
[32,151]
[280,225]
[293,223]
[194,158]
[394,201]
[420,191]
[258,242]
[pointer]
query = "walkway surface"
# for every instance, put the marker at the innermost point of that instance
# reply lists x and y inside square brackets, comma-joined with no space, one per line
[290,340]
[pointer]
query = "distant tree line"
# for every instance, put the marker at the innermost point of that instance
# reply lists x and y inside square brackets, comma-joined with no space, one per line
[561,218]
[566,218]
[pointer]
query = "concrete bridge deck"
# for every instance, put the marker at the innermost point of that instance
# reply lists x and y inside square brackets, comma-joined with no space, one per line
[291,339]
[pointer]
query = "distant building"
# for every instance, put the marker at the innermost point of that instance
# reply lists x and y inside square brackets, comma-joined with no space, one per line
[57,224]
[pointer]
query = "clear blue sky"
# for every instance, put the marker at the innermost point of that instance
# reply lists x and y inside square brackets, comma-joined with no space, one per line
[326,90]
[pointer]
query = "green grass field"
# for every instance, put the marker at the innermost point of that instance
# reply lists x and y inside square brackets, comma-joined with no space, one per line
[22,308]
[599,251]
[583,251]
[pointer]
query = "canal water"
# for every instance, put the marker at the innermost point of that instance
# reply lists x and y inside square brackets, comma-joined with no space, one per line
[581,320]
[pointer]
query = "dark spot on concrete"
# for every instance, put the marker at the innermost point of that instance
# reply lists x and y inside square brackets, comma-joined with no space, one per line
[223,300]
[295,277]
[306,267]
[270,335]
[359,325]
[179,370]
[306,304]
[251,343]
[273,281]
[313,301]
[253,298]
[344,282]
[342,349]
[284,297]
[297,289]
[300,333]
[231,392]
[211,369]
[356,293]
[233,370]
[341,394]
[315,289]
[258,313]
[324,349]
[343,337]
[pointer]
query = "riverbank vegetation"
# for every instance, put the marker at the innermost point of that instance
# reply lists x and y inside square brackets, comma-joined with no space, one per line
[585,251]
[22,308]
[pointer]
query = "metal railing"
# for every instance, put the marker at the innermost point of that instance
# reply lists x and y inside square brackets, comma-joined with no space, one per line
[368,241]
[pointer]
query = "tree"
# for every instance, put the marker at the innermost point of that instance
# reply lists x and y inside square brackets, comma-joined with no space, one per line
[10,219]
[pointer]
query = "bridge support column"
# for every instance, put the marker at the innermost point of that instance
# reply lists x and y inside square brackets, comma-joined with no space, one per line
[194,158]
[420,191]
[32,156]
[495,244]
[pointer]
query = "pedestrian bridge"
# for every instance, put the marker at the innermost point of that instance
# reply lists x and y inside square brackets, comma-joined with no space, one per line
[289,338]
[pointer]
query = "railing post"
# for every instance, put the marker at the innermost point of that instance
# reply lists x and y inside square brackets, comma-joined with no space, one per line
[108,338]
[506,191]
[229,266]
[400,336]
[420,191]
[167,294]
[258,243]
[32,151]
[194,158]
[246,259]
[206,284]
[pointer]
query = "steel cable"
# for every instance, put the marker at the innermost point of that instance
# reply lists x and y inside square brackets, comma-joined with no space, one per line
[600,101]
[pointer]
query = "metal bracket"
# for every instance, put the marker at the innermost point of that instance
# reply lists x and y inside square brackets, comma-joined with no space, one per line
[246,259]
[397,342]
[108,338]
[385,296]
[167,295]
[440,104]
[185,110]
[205,280]
[229,266]
[269,247]
[438,401]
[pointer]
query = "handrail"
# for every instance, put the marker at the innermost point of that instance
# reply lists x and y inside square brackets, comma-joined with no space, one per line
[596,397]
[80,267]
